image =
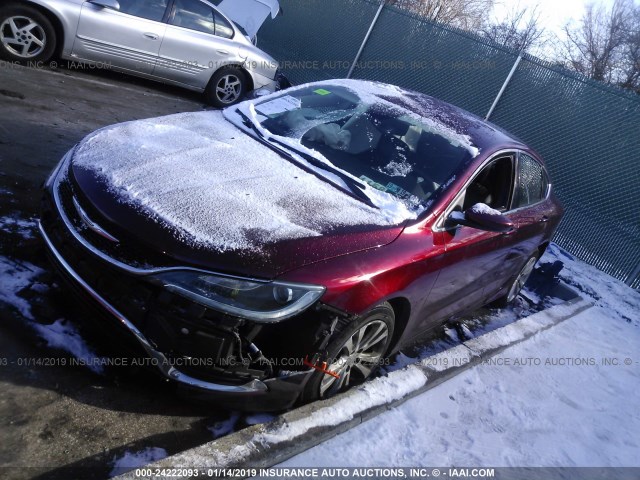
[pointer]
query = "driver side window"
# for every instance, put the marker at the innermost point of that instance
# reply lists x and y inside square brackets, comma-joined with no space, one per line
[493,186]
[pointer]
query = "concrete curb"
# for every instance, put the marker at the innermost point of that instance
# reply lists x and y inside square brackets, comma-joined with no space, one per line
[293,432]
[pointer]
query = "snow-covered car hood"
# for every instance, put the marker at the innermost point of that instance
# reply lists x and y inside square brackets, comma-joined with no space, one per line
[197,188]
[249,14]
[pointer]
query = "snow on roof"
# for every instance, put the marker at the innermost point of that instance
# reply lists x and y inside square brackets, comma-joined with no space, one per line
[216,186]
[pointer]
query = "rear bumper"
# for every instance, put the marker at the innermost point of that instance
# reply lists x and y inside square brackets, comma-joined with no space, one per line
[265,395]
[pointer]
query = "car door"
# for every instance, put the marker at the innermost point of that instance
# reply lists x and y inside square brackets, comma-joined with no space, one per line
[530,209]
[128,38]
[198,41]
[474,260]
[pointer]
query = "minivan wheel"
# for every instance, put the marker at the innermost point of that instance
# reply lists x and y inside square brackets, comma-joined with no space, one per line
[227,87]
[354,353]
[518,283]
[26,35]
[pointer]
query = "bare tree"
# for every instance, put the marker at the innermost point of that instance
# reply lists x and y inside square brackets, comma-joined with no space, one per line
[465,14]
[631,53]
[595,47]
[521,29]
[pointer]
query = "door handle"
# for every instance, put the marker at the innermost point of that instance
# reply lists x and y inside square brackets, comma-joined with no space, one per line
[223,52]
[150,35]
[511,231]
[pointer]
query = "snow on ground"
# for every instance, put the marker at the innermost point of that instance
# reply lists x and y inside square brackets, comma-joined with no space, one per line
[549,401]
[16,277]
[224,427]
[608,293]
[14,224]
[63,335]
[131,460]
[257,418]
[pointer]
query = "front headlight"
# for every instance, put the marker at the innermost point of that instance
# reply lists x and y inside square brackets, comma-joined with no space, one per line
[258,301]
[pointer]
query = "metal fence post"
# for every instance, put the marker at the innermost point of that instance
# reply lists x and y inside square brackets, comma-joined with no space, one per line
[366,38]
[504,86]
[633,276]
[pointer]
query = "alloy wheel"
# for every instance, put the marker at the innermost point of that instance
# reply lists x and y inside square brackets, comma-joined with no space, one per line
[228,88]
[23,37]
[357,358]
[521,279]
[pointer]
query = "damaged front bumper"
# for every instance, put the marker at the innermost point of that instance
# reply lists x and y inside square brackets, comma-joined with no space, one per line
[168,329]
[270,394]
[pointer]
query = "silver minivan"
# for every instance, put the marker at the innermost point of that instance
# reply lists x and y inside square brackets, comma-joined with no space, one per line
[206,46]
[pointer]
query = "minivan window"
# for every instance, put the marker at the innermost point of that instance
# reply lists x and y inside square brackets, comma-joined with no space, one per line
[532,182]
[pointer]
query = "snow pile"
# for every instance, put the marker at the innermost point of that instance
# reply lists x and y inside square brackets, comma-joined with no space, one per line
[18,276]
[607,292]
[15,277]
[484,209]
[64,336]
[24,228]
[130,460]
[396,168]
[258,418]
[224,427]
[376,392]
[216,186]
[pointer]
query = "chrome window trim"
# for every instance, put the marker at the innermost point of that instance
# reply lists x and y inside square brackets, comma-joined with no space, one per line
[438,226]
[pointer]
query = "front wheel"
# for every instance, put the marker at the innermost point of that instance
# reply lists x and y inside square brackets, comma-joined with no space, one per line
[354,354]
[227,87]
[518,283]
[26,35]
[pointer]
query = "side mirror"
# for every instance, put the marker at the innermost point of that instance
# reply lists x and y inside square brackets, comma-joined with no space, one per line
[482,217]
[112,4]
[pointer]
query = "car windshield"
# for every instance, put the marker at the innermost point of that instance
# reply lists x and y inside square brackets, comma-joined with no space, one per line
[388,147]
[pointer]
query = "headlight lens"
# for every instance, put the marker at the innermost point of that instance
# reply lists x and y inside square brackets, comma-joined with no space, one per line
[258,301]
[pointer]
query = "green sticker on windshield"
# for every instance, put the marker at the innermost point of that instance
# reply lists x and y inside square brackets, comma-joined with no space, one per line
[322,91]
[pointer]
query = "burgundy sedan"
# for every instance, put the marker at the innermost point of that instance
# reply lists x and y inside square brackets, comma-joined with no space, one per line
[281,249]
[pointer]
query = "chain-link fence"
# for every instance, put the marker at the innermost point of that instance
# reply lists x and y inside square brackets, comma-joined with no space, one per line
[588,133]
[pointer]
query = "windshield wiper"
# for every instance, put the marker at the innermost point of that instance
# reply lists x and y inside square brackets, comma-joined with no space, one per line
[356,188]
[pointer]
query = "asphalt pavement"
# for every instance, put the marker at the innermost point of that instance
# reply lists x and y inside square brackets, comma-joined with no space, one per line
[66,421]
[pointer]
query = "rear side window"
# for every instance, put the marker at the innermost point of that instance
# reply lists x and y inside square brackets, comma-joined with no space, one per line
[149,9]
[195,15]
[532,182]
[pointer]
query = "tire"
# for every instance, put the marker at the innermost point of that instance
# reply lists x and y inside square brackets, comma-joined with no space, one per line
[517,283]
[227,87]
[26,35]
[378,322]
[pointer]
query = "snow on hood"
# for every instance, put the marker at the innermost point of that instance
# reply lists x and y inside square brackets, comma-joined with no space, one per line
[217,187]
[249,14]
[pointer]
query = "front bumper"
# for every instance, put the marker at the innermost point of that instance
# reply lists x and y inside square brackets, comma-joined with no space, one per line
[271,394]
[78,261]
